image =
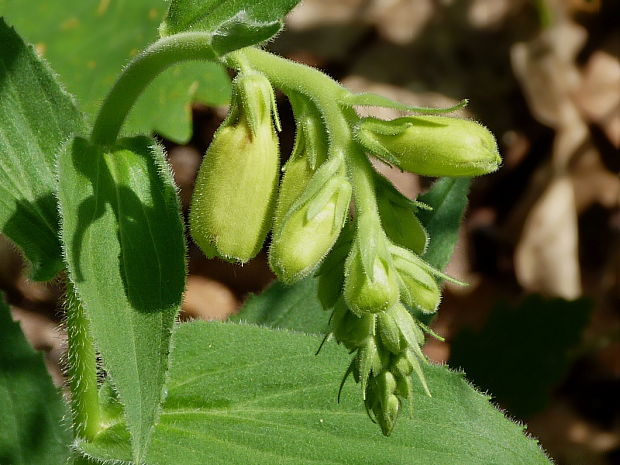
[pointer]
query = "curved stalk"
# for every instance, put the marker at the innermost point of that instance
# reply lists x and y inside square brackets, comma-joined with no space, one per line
[140,72]
[327,95]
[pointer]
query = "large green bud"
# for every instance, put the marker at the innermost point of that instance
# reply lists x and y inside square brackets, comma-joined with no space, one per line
[371,282]
[307,234]
[233,202]
[431,145]
[313,220]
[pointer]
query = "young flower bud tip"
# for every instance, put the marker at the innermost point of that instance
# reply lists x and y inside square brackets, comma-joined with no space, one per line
[366,295]
[432,145]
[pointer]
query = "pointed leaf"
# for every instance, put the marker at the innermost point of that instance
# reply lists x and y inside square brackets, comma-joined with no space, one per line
[123,240]
[448,198]
[243,394]
[233,24]
[32,430]
[36,117]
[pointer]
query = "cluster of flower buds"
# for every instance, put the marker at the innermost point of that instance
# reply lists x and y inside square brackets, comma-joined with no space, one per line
[387,352]
[371,319]
[371,270]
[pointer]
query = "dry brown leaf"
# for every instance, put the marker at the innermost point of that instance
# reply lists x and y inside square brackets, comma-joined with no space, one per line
[311,13]
[546,258]
[485,14]
[593,183]
[547,73]
[400,21]
[598,97]
[207,299]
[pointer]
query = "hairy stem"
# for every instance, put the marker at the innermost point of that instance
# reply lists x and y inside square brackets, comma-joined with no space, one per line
[140,72]
[82,369]
[327,95]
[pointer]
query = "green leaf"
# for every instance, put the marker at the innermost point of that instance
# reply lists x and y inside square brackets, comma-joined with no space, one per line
[448,199]
[293,307]
[522,352]
[123,240]
[233,24]
[32,430]
[36,116]
[89,41]
[243,394]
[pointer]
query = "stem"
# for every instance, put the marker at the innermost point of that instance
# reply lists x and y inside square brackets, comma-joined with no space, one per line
[327,95]
[285,74]
[140,72]
[82,369]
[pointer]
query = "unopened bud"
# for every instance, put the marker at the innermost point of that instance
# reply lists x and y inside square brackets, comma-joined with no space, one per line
[309,153]
[390,333]
[398,218]
[233,202]
[349,329]
[401,365]
[431,145]
[404,386]
[365,293]
[386,413]
[306,234]
[418,286]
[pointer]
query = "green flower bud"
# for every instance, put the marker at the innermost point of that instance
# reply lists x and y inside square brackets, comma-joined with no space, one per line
[307,234]
[398,218]
[418,287]
[309,152]
[404,386]
[390,333]
[367,292]
[349,329]
[386,383]
[386,413]
[401,365]
[431,145]
[233,199]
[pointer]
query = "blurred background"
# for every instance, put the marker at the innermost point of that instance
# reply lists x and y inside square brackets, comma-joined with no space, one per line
[539,326]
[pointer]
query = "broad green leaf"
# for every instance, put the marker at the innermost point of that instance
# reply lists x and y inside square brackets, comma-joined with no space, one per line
[448,199]
[243,394]
[233,24]
[36,117]
[123,240]
[522,352]
[32,429]
[89,42]
[290,307]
